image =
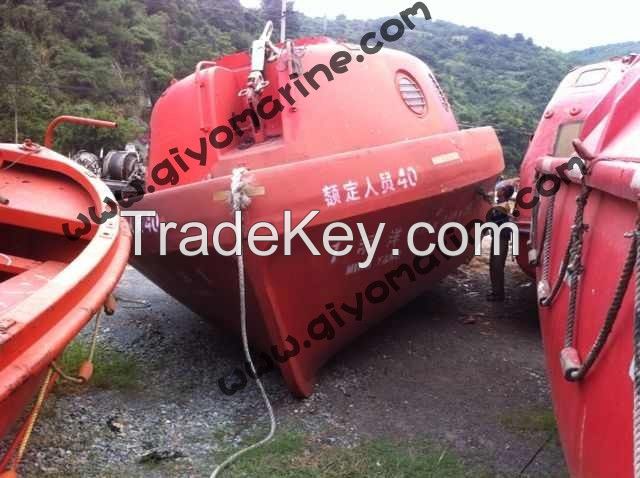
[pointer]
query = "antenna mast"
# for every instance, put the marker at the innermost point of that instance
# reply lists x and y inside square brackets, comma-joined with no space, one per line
[283,22]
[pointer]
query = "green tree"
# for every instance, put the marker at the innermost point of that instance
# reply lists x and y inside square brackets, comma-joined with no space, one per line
[272,10]
[19,68]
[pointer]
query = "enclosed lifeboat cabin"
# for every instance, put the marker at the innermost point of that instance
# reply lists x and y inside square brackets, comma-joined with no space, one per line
[585,257]
[56,270]
[359,138]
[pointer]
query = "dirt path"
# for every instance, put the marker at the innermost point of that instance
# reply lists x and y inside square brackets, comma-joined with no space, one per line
[448,368]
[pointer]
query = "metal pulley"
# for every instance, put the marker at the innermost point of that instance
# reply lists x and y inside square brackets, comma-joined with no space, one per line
[119,165]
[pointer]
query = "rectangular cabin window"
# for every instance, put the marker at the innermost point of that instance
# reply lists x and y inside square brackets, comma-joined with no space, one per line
[564,140]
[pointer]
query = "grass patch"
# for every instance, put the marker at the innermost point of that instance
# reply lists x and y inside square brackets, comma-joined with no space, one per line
[527,421]
[290,455]
[112,369]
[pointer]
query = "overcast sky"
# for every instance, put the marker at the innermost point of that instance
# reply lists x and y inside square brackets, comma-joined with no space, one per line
[561,24]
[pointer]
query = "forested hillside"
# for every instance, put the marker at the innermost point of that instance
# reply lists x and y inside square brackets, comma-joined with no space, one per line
[111,59]
[599,53]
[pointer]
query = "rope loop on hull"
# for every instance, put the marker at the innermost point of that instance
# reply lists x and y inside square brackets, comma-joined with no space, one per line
[575,268]
[573,253]
[575,370]
[533,231]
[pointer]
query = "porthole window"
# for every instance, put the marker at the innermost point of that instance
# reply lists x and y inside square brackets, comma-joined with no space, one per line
[411,93]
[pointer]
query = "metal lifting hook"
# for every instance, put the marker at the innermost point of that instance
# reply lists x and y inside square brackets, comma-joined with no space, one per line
[259,51]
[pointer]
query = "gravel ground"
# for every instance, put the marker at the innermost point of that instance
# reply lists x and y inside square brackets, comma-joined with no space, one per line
[448,367]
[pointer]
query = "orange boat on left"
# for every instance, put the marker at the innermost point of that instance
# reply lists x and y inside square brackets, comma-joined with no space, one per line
[50,285]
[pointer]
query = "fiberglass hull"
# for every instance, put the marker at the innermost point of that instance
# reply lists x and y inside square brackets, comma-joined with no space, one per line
[50,286]
[286,293]
[594,409]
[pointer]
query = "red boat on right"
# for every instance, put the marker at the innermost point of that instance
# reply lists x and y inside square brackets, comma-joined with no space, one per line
[581,224]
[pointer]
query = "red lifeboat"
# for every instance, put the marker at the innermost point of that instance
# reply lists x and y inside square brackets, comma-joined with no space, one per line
[586,254]
[50,285]
[375,144]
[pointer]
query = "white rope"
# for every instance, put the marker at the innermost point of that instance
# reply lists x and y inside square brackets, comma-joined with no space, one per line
[240,201]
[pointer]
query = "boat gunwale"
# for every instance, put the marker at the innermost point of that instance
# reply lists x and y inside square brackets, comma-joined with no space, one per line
[106,247]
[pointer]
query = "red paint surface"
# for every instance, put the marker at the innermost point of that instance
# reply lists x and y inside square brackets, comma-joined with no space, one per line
[595,415]
[355,127]
[53,286]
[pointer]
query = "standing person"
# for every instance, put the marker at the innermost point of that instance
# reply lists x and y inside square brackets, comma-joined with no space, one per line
[499,215]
